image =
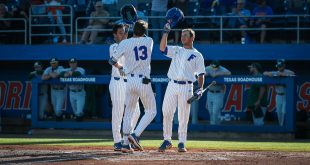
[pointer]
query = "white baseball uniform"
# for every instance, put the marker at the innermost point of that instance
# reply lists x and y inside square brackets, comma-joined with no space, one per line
[117,90]
[57,91]
[185,64]
[77,94]
[137,52]
[215,96]
[281,97]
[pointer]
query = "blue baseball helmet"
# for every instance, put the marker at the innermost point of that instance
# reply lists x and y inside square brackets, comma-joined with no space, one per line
[174,15]
[129,14]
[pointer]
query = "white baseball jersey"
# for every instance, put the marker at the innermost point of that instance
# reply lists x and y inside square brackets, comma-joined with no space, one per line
[211,71]
[281,97]
[121,60]
[185,64]
[49,69]
[281,88]
[77,94]
[76,86]
[137,52]
[57,92]
[58,70]
[117,90]
[215,96]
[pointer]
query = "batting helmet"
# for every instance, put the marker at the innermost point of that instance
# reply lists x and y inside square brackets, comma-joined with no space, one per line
[129,14]
[174,15]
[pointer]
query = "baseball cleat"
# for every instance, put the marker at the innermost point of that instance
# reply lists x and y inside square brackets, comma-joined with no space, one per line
[134,147]
[117,146]
[181,147]
[134,140]
[165,146]
[126,149]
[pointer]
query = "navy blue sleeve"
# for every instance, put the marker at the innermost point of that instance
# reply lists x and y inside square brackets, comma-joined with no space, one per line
[165,51]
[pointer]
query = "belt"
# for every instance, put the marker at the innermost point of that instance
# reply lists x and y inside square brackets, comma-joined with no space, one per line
[139,75]
[118,78]
[214,91]
[281,94]
[76,90]
[60,88]
[182,82]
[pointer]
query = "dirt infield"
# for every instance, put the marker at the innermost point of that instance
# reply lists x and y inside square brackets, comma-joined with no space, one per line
[40,154]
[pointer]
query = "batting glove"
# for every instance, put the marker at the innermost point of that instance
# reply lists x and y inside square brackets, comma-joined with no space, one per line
[121,71]
[167,28]
[198,93]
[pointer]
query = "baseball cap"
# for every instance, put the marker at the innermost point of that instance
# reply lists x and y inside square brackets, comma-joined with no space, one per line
[37,64]
[256,65]
[53,60]
[215,63]
[280,63]
[72,60]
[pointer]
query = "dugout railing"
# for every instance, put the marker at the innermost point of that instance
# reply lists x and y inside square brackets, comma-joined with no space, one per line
[159,83]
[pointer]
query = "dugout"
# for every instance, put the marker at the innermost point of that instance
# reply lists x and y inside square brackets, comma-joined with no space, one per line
[16,63]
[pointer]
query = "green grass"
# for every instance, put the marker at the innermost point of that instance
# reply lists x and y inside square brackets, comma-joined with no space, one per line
[211,145]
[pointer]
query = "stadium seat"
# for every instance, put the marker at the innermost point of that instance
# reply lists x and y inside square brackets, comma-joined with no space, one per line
[78,5]
[277,6]
[193,10]
[145,7]
[296,6]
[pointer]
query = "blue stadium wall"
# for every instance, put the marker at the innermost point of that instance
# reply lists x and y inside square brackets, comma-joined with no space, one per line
[16,62]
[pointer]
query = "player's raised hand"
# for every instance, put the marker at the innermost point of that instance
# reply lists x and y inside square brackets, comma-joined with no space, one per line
[167,28]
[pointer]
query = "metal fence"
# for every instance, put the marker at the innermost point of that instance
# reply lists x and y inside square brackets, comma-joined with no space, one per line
[219,24]
[33,16]
[202,24]
[10,31]
[83,29]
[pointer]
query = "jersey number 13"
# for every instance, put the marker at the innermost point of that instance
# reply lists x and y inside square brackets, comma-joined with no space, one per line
[143,51]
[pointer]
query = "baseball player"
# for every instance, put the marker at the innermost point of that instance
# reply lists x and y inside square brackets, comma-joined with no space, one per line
[137,51]
[186,63]
[117,90]
[76,91]
[257,96]
[215,96]
[57,90]
[280,89]
[38,71]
